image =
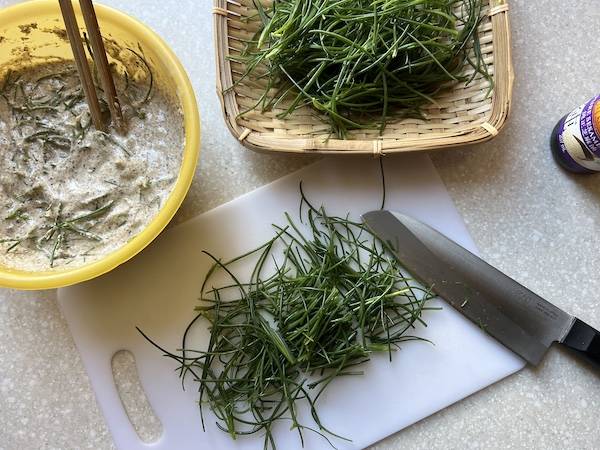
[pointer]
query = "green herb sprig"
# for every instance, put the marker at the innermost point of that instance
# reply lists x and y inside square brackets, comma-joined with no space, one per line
[359,61]
[316,306]
[53,237]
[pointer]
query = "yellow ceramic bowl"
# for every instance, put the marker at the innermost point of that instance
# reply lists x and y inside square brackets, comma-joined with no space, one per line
[35,27]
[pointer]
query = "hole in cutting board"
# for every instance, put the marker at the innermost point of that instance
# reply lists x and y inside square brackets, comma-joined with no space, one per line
[132,395]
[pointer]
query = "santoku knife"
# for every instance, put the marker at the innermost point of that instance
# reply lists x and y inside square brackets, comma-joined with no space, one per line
[518,318]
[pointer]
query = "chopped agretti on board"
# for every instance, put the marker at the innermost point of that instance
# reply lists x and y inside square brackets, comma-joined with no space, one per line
[323,296]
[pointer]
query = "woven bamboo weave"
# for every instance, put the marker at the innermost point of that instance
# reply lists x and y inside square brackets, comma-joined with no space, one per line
[462,114]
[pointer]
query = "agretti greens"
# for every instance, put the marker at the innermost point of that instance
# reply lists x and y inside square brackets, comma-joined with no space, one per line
[358,62]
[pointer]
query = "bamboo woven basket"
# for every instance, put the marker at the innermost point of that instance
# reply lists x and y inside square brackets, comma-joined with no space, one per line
[463,114]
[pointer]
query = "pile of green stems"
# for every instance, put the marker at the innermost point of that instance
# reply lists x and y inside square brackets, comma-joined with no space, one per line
[316,307]
[358,62]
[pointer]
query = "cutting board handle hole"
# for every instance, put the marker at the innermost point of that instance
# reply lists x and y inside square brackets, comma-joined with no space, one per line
[127,381]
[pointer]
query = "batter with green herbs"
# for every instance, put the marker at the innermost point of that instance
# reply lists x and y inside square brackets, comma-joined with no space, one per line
[70,194]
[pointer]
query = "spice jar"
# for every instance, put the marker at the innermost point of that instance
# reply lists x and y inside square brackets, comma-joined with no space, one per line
[575,140]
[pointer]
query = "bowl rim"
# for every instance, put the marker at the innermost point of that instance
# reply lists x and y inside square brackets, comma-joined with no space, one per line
[40,280]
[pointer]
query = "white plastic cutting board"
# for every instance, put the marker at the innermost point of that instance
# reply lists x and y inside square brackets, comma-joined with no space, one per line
[157,291]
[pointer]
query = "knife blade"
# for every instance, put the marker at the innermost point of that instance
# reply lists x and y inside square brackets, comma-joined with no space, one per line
[518,318]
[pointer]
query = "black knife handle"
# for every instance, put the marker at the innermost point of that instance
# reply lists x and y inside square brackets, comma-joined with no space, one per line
[585,341]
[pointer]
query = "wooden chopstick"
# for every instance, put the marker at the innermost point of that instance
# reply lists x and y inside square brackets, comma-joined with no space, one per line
[101,60]
[85,74]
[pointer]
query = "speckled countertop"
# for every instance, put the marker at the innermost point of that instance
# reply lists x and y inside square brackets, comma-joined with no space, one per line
[530,219]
